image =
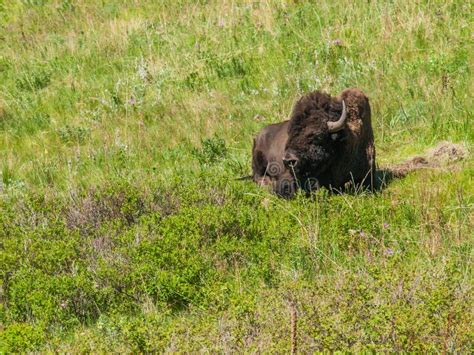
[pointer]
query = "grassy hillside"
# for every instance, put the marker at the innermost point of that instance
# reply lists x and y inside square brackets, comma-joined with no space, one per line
[123,126]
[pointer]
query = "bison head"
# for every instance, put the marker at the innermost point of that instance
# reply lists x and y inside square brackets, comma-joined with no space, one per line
[315,129]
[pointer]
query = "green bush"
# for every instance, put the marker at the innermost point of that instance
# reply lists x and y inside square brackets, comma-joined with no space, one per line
[21,337]
[212,150]
[123,229]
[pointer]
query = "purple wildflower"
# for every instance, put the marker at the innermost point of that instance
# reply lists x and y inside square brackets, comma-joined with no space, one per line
[132,100]
[389,252]
[362,234]
[386,225]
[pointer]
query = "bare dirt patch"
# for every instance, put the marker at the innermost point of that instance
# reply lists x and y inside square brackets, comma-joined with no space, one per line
[447,152]
[444,154]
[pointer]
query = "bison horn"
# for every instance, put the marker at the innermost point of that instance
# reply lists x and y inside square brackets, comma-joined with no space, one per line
[339,124]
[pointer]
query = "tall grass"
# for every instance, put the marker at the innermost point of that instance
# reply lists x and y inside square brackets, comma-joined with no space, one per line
[123,126]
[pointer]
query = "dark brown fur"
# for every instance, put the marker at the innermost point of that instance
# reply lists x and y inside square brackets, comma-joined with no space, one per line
[324,159]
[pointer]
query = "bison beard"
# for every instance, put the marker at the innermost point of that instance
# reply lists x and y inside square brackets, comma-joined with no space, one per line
[328,141]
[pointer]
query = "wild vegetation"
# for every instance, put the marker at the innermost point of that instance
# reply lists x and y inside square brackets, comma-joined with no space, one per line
[123,126]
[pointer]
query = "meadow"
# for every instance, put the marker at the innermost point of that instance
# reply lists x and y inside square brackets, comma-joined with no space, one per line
[123,128]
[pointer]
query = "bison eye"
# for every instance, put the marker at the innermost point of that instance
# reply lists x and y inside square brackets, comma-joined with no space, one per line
[318,139]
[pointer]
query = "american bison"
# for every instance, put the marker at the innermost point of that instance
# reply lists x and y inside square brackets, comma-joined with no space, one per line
[327,141]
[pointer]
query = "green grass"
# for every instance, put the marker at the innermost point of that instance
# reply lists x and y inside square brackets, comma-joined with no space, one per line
[123,126]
